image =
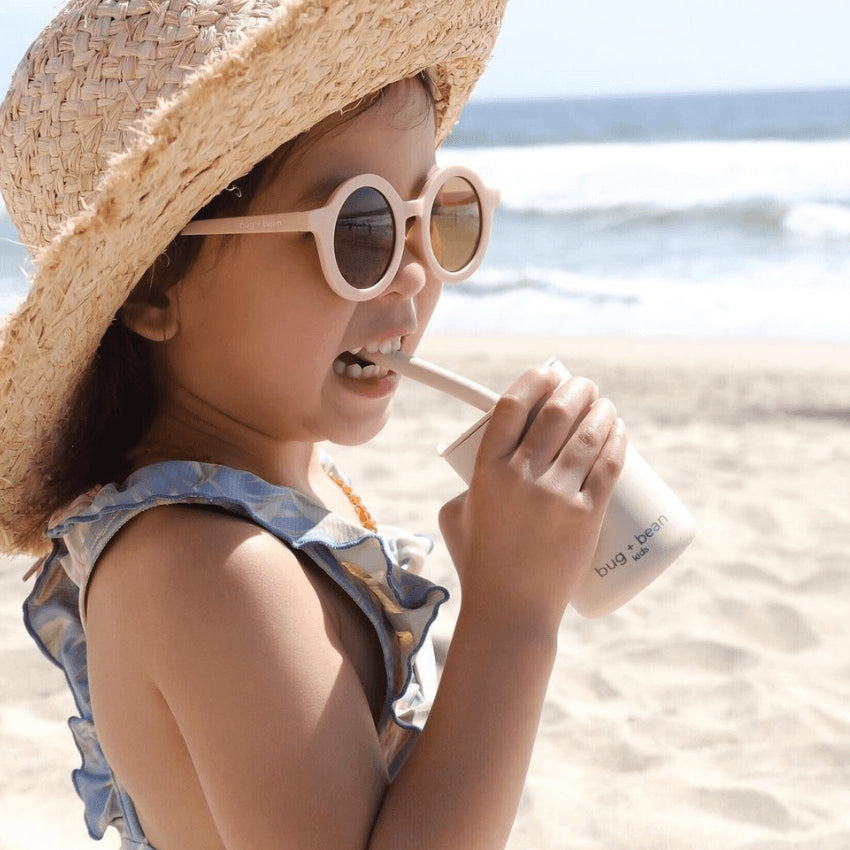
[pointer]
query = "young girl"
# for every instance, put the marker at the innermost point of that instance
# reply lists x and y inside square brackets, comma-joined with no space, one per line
[247,649]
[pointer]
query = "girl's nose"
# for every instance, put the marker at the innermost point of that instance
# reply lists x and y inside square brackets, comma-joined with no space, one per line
[411,276]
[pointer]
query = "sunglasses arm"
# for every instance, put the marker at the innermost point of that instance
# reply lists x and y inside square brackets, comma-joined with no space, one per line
[291,222]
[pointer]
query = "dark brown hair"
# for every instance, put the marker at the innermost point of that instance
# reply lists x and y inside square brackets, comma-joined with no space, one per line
[116,400]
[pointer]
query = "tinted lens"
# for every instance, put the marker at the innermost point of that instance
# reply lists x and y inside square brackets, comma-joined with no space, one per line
[455,224]
[364,237]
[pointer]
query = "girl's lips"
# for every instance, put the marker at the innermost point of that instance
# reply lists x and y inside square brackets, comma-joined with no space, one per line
[377,386]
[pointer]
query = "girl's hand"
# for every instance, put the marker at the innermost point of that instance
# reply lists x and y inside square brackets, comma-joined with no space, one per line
[523,535]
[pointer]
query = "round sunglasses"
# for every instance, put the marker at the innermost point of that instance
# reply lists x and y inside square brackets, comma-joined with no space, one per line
[361,231]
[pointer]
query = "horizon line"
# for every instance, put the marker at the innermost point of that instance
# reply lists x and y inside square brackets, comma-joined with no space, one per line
[658,94]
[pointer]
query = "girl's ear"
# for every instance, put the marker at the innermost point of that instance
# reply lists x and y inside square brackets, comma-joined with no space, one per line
[156,322]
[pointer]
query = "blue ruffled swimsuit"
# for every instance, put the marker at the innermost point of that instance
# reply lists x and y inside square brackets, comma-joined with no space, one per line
[390,558]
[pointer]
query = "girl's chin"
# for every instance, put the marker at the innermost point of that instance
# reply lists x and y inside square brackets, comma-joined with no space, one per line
[362,407]
[358,435]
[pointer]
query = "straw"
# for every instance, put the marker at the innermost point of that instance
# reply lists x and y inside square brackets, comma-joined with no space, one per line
[437,378]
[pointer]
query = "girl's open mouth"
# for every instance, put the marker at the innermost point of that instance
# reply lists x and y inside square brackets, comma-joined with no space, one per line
[349,365]
[356,364]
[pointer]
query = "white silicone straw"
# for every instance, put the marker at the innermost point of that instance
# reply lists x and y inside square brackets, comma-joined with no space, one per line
[437,377]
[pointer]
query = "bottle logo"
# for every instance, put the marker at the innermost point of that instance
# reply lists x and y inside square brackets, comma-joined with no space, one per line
[637,550]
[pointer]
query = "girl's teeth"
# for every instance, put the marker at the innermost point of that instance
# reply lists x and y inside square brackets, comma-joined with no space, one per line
[355,370]
[358,372]
[385,347]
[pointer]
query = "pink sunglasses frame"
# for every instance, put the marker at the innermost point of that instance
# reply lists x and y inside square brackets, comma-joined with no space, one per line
[322,220]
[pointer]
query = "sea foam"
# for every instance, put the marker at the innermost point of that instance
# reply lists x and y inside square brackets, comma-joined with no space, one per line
[664,176]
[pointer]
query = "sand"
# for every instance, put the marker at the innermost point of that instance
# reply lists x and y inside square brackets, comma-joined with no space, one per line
[713,710]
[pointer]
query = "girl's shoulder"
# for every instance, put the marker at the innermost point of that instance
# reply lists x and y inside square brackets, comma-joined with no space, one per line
[174,559]
[182,537]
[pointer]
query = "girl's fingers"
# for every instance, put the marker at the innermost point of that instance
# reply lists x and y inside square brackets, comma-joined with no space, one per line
[566,434]
[555,422]
[600,480]
[512,411]
[584,445]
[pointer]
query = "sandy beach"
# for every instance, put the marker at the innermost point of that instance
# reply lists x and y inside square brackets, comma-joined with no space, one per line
[709,712]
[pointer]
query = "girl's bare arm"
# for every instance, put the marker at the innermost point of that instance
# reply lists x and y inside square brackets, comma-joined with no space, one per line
[521,538]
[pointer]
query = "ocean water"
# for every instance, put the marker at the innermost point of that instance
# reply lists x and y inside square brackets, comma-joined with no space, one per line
[698,215]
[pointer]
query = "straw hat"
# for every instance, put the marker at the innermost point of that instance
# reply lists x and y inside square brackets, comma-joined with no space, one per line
[126,117]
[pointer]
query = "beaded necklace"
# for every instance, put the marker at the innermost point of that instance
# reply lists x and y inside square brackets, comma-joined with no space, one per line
[362,513]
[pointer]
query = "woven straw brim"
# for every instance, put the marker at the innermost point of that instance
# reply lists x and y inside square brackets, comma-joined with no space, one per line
[307,61]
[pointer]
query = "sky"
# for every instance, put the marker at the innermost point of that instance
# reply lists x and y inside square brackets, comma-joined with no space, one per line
[551,48]
[562,47]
